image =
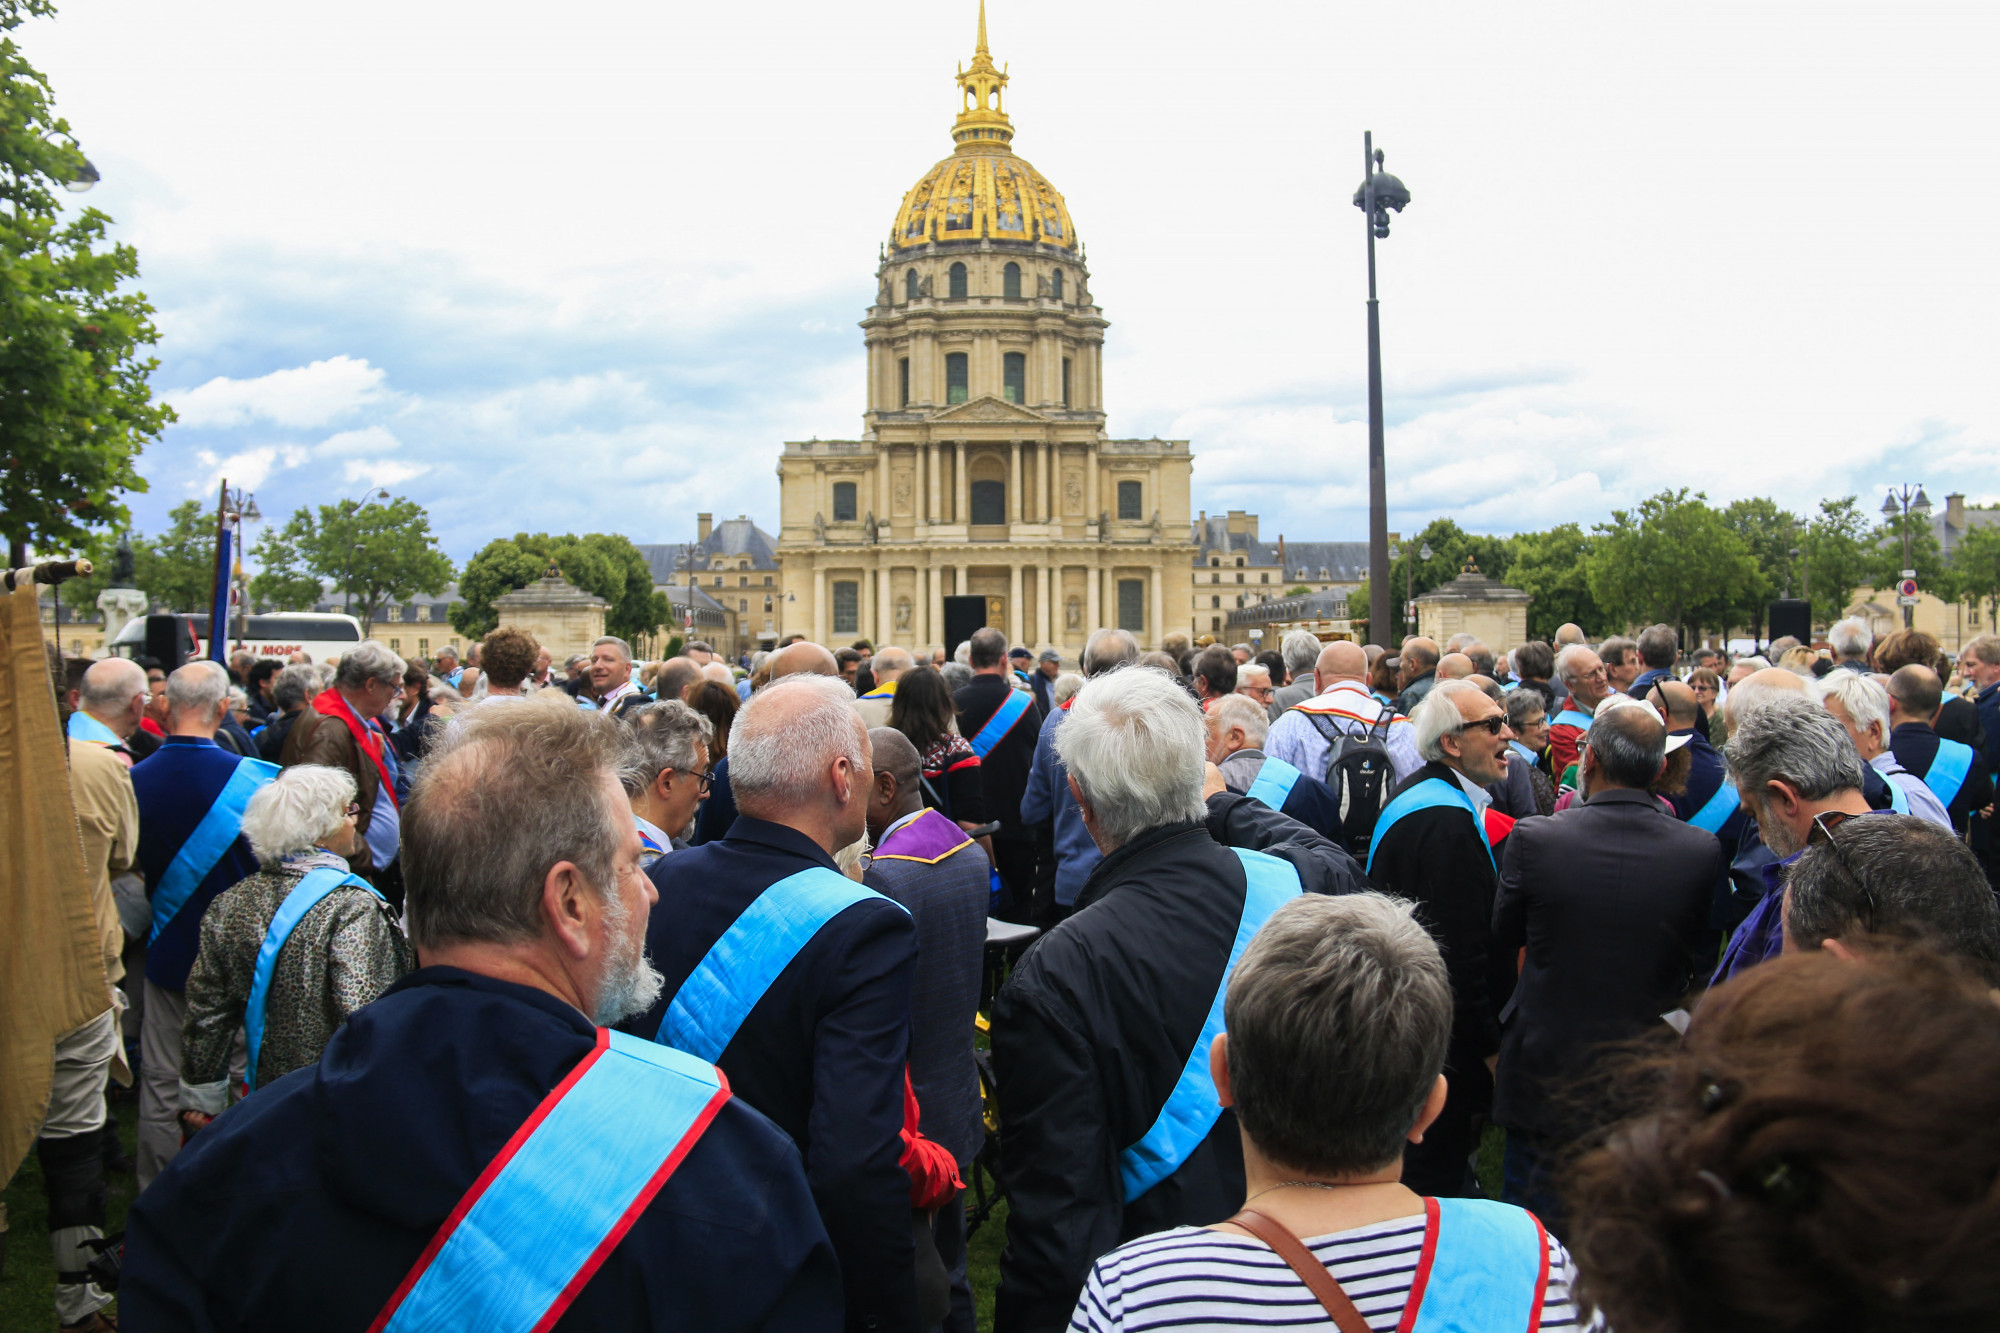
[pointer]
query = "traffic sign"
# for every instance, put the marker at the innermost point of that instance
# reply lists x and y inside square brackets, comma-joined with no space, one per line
[1908,601]
[1907,589]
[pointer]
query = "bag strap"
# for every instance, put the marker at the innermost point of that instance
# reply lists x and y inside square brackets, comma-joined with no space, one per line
[1323,1285]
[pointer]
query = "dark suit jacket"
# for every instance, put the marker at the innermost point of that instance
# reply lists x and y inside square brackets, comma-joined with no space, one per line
[1610,898]
[1003,771]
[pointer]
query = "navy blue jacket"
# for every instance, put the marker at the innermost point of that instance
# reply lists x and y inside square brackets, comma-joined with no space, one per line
[1989,722]
[822,1054]
[175,788]
[1705,776]
[304,1206]
[1310,801]
[1916,745]
[1047,800]
[1003,770]
[718,812]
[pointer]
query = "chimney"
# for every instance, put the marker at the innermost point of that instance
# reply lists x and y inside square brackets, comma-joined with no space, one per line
[1954,511]
[703,525]
[1237,525]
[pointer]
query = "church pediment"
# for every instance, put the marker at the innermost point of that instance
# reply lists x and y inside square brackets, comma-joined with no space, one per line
[988,408]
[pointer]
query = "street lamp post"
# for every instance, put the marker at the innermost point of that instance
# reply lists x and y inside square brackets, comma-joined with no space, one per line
[1379,193]
[1900,504]
[1424,553]
[380,493]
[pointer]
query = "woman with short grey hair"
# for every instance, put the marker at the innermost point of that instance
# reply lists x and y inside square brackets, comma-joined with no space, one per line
[337,944]
[1337,1020]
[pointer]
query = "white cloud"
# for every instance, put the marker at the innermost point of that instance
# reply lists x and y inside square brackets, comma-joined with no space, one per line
[368,440]
[383,471]
[248,469]
[304,396]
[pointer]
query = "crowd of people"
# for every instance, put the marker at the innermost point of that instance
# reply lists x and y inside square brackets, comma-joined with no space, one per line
[487,992]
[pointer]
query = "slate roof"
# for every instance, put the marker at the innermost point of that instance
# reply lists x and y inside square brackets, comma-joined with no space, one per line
[728,541]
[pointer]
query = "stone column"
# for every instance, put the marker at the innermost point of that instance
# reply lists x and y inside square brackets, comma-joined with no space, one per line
[1014,483]
[1158,627]
[882,514]
[1093,607]
[1091,509]
[1013,604]
[885,613]
[1045,611]
[930,479]
[962,509]
[819,616]
[1042,482]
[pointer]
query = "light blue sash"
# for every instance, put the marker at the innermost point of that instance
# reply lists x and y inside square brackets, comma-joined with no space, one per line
[1193,1106]
[1487,1269]
[1715,812]
[1948,770]
[553,1205]
[759,945]
[84,727]
[1429,794]
[1003,720]
[1899,800]
[305,895]
[209,842]
[1570,717]
[1274,783]
[1524,754]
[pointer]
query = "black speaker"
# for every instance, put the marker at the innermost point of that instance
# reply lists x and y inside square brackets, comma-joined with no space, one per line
[167,641]
[1790,616]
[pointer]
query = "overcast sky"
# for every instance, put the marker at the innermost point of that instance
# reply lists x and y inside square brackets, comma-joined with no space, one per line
[585,267]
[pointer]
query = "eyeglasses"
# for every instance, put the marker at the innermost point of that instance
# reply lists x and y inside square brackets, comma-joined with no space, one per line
[703,780]
[1823,825]
[353,809]
[1492,725]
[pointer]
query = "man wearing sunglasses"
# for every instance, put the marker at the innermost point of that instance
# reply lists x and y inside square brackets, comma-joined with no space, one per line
[1430,846]
[1798,775]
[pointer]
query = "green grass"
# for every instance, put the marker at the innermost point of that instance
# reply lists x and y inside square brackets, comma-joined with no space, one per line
[28,1287]
[982,1263]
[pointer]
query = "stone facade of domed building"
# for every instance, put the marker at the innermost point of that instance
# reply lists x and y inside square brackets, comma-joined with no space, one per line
[984,489]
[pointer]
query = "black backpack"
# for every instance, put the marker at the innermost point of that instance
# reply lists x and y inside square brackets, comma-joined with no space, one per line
[1358,770]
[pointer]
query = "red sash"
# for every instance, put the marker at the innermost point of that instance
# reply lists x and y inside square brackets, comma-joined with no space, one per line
[330,704]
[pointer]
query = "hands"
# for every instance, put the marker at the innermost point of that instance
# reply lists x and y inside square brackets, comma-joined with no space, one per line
[1212,782]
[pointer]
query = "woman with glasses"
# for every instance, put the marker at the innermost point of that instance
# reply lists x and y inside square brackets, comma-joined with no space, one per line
[1528,715]
[289,952]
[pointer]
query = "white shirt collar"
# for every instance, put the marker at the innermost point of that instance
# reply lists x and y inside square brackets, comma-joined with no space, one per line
[909,818]
[655,832]
[624,689]
[1480,796]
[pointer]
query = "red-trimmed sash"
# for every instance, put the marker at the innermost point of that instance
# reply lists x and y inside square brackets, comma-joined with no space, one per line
[330,704]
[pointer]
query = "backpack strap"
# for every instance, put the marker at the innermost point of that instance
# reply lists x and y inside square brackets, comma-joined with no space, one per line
[1322,1284]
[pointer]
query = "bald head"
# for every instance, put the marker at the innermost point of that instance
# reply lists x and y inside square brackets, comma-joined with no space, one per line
[895,755]
[891,663]
[803,658]
[1915,695]
[1340,661]
[1680,705]
[1419,655]
[1569,634]
[1759,686]
[113,691]
[1454,666]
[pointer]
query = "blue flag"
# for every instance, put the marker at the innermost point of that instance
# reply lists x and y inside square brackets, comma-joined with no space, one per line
[218,616]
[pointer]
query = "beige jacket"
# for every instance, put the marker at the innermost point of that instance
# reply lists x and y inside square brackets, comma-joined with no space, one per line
[107,821]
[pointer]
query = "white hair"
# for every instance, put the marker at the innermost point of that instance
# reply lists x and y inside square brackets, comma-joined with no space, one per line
[1134,744]
[1437,716]
[110,684]
[788,735]
[293,811]
[366,661]
[1566,659]
[1866,702]
[1300,649]
[1850,638]
[1248,669]
[1065,687]
[198,688]
[1240,710]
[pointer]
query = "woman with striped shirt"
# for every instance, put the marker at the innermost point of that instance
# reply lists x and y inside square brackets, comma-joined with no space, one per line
[1337,1016]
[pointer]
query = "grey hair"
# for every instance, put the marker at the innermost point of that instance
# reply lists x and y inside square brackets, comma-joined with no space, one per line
[293,811]
[366,661]
[1850,638]
[1921,882]
[1108,649]
[661,736]
[1523,704]
[1789,737]
[616,642]
[198,688]
[1240,710]
[956,674]
[1866,702]
[110,685]
[1566,660]
[1629,742]
[1065,687]
[1134,744]
[1985,648]
[1437,716]
[986,648]
[446,650]
[1338,1016]
[504,795]
[295,685]
[1249,669]
[779,755]
[1300,649]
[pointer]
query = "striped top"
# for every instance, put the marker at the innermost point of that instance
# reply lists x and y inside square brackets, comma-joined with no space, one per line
[1192,1278]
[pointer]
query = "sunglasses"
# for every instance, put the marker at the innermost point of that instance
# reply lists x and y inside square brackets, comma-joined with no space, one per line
[1491,725]
[1823,826]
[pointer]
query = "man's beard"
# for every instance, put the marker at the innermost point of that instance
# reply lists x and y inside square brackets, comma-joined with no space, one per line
[628,983]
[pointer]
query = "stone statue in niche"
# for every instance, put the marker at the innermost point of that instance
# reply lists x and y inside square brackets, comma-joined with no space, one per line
[1073,613]
[1104,525]
[885,292]
[1156,525]
[871,531]
[902,485]
[819,527]
[924,285]
[1073,492]
[902,615]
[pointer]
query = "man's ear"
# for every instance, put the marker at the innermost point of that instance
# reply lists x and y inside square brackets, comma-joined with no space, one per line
[660,782]
[570,906]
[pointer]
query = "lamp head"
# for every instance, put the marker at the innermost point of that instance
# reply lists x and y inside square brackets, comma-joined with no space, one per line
[1889,506]
[1923,503]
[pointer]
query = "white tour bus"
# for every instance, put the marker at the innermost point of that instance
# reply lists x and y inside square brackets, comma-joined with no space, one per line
[277,636]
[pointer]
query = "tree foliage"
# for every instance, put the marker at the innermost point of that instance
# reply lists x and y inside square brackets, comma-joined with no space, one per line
[1835,557]
[1976,569]
[1553,567]
[75,404]
[606,564]
[1673,560]
[1886,564]
[374,554]
[1410,575]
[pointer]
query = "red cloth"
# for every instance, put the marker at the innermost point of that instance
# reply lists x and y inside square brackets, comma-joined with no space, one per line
[147,724]
[1498,826]
[933,1173]
[330,704]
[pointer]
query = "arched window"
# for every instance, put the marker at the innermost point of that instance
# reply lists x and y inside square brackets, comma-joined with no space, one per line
[1010,282]
[1239,562]
[910,285]
[1055,284]
[954,377]
[957,282]
[1014,379]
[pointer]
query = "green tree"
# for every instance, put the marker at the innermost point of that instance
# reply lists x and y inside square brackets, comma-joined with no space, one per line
[1552,566]
[372,554]
[177,569]
[1771,534]
[75,404]
[1886,563]
[284,581]
[1410,575]
[602,563]
[1835,558]
[1674,560]
[1976,570]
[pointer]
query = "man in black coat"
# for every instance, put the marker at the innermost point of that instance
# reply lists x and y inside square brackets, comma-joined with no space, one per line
[1961,783]
[1002,731]
[1100,1021]
[1610,899]
[1431,847]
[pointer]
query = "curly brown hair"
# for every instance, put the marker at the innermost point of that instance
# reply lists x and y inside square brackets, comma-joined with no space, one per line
[1908,647]
[1820,1152]
[507,655]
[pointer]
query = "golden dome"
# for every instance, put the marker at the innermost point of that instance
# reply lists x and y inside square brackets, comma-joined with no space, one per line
[983,191]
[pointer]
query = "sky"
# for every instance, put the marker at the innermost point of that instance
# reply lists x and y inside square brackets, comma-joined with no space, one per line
[585,268]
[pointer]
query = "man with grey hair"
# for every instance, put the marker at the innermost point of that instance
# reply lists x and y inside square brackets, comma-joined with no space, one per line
[482,1081]
[1794,767]
[341,728]
[291,690]
[665,774]
[1897,877]
[1236,727]
[796,980]
[1862,706]
[1850,640]
[1300,649]
[192,795]
[1431,845]
[1111,1126]
[611,682]
[1583,676]
[1600,967]
[1048,802]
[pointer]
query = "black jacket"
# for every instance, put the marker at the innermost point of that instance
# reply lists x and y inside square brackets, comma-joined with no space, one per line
[1915,747]
[1003,770]
[1609,949]
[1092,1030]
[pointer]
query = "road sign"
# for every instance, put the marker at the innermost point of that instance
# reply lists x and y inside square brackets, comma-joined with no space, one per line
[1908,601]
[1907,588]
